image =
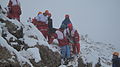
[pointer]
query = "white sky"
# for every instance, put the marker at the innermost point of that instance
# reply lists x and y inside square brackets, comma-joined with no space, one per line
[100,19]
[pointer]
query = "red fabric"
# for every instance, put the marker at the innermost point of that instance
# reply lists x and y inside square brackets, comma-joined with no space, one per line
[61,42]
[45,33]
[14,11]
[76,48]
[64,41]
[42,27]
[34,21]
[76,44]
[76,36]
[51,37]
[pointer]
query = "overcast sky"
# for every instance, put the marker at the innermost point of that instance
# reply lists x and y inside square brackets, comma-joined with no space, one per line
[100,19]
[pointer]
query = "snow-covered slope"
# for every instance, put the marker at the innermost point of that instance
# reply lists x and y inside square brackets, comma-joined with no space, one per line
[91,52]
[31,38]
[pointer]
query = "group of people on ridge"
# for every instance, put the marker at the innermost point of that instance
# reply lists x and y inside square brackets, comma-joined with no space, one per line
[66,35]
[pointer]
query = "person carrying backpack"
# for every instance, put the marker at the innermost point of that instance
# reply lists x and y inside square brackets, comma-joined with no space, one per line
[65,22]
[115,60]
[14,9]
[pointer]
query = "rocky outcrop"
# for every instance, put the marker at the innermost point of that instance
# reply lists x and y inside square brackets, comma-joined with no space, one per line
[7,59]
[49,58]
[82,64]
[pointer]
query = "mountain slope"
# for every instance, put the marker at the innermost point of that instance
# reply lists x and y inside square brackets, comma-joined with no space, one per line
[91,51]
[26,45]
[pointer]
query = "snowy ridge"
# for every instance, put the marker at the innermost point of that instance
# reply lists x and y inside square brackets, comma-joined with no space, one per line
[31,36]
[20,58]
[91,51]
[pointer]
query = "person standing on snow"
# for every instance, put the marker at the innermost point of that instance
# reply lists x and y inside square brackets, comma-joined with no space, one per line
[42,23]
[65,22]
[14,9]
[115,60]
[74,38]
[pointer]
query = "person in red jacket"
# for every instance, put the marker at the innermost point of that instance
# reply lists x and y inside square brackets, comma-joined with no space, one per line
[41,22]
[14,9]
[63,43]
[74,38]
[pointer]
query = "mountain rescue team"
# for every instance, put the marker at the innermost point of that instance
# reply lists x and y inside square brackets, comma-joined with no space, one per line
[43,22]
[66,35]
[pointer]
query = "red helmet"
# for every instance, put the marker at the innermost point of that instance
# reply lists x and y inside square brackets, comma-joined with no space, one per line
[66,16]
[47,12]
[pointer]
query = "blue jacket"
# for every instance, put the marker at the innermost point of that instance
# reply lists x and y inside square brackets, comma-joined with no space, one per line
[65,22]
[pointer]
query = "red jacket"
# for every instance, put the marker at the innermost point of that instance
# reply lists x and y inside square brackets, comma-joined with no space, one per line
[72,35]
[14,10]
[42,26]
[62,40]
[76,37]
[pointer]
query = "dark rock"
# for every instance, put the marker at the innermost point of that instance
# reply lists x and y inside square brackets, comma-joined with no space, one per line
[12,28]
[5,57]
[49,58]
[89,65]
[81,63]
[17,47]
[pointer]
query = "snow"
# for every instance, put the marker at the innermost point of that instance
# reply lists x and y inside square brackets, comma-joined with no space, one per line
[37,37]
[91,51]
[29,41]
[31,53]
[62,66]
[20,58]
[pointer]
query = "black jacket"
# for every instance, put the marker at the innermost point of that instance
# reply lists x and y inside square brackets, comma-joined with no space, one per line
[116,62]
